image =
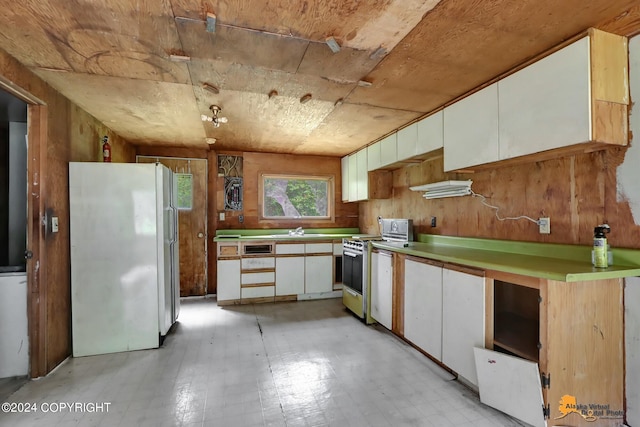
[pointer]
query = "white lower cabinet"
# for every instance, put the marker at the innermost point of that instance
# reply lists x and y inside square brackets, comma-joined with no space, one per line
[289,275]
[463,321]
[228,279]
[382,288]
[318,274]
[423,306]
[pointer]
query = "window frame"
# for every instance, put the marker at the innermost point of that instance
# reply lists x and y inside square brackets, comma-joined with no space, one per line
[330,180]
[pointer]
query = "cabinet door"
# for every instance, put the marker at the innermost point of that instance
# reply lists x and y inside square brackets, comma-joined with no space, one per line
[463,316]
[344,163]
[423,306]
[471,130]
[228,279]
[318,273]
[407,142]
[389,150]
[362,175]
[430,133]
[373,156]
[382,288]
[547,104]
[289,275]
[353,178]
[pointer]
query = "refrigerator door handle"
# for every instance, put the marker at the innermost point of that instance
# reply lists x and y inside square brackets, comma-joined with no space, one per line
[172,225]
[174,235]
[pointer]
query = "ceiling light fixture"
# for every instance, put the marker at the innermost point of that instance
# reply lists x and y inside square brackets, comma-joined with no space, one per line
[210,141]
[333,44]
[338,102]
[211,22]
[273,93]
[179,58]
[378,53]
[364,83]
[306,98]
[211,88]
[215,120]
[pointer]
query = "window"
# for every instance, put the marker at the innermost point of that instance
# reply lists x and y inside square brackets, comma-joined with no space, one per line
[288,197]
[185,190]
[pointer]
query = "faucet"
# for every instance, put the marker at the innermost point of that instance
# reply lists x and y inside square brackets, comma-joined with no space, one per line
[297,232]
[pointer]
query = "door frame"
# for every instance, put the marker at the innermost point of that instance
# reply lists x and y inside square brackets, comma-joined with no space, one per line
[37,128]
[206,207]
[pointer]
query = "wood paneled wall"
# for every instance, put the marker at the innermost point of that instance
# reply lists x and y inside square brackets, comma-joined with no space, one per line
[71,135]
[577,192]
[255,164]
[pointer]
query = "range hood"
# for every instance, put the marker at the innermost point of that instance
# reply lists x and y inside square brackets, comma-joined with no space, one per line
[442,189]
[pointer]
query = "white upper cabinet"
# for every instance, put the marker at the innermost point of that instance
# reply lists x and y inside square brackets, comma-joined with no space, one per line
[353,178]
[407,142]
[373,156]
[430,133]
[547,104]
[344,163]
[471,130]
[362,175]
[389,150]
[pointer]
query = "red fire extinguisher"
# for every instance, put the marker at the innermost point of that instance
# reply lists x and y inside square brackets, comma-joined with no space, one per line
[106,150]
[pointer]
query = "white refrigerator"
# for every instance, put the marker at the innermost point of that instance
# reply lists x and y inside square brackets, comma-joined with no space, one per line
[125,290]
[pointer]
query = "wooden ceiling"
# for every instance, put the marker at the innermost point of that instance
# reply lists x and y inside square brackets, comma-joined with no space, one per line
[114,59]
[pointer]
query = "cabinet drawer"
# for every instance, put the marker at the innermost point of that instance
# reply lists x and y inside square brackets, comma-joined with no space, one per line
[258,263]
[258,292]
[290,248]
[318,248]
[254,278]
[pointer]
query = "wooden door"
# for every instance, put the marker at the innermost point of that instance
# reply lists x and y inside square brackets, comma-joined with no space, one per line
[192,224]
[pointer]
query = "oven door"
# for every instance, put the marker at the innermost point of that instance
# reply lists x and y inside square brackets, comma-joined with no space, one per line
[352,270]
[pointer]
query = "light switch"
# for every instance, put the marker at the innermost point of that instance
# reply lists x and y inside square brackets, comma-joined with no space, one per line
[54,224]
[221,216]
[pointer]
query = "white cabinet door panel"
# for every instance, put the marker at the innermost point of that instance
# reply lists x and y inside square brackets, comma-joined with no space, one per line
[463,316]
[353,178]
[373,156]
[547,104]
[290,276]
[318,274]
[423,306]
[389,150]
[407,142]
[471,130]
[430,133]
[382,288]
[344,176]
[362,175]
[510,384]
[228,279]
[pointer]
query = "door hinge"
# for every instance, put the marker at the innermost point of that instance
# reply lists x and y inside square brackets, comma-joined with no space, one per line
[545,380]
[539,345]
[539,299]
[28,254]
[546,411]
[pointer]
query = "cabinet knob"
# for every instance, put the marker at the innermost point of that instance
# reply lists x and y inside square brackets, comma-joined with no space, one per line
[200,235]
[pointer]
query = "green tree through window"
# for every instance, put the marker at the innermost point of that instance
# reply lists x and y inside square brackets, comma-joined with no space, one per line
[296,197]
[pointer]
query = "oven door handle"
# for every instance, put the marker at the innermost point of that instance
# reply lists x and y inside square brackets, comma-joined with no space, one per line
[351,254]
[351,292]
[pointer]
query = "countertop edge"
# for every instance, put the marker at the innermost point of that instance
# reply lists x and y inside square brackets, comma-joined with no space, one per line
[575,271]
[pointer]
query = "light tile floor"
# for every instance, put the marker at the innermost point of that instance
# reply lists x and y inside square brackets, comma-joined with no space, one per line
[291,364]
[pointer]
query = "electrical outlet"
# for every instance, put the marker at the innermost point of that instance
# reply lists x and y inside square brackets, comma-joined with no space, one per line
[54,224]
[240,218]
[222,216]
[433,221]
[545,225]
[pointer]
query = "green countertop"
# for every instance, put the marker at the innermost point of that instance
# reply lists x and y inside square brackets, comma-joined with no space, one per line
[567,263]
[283,234]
